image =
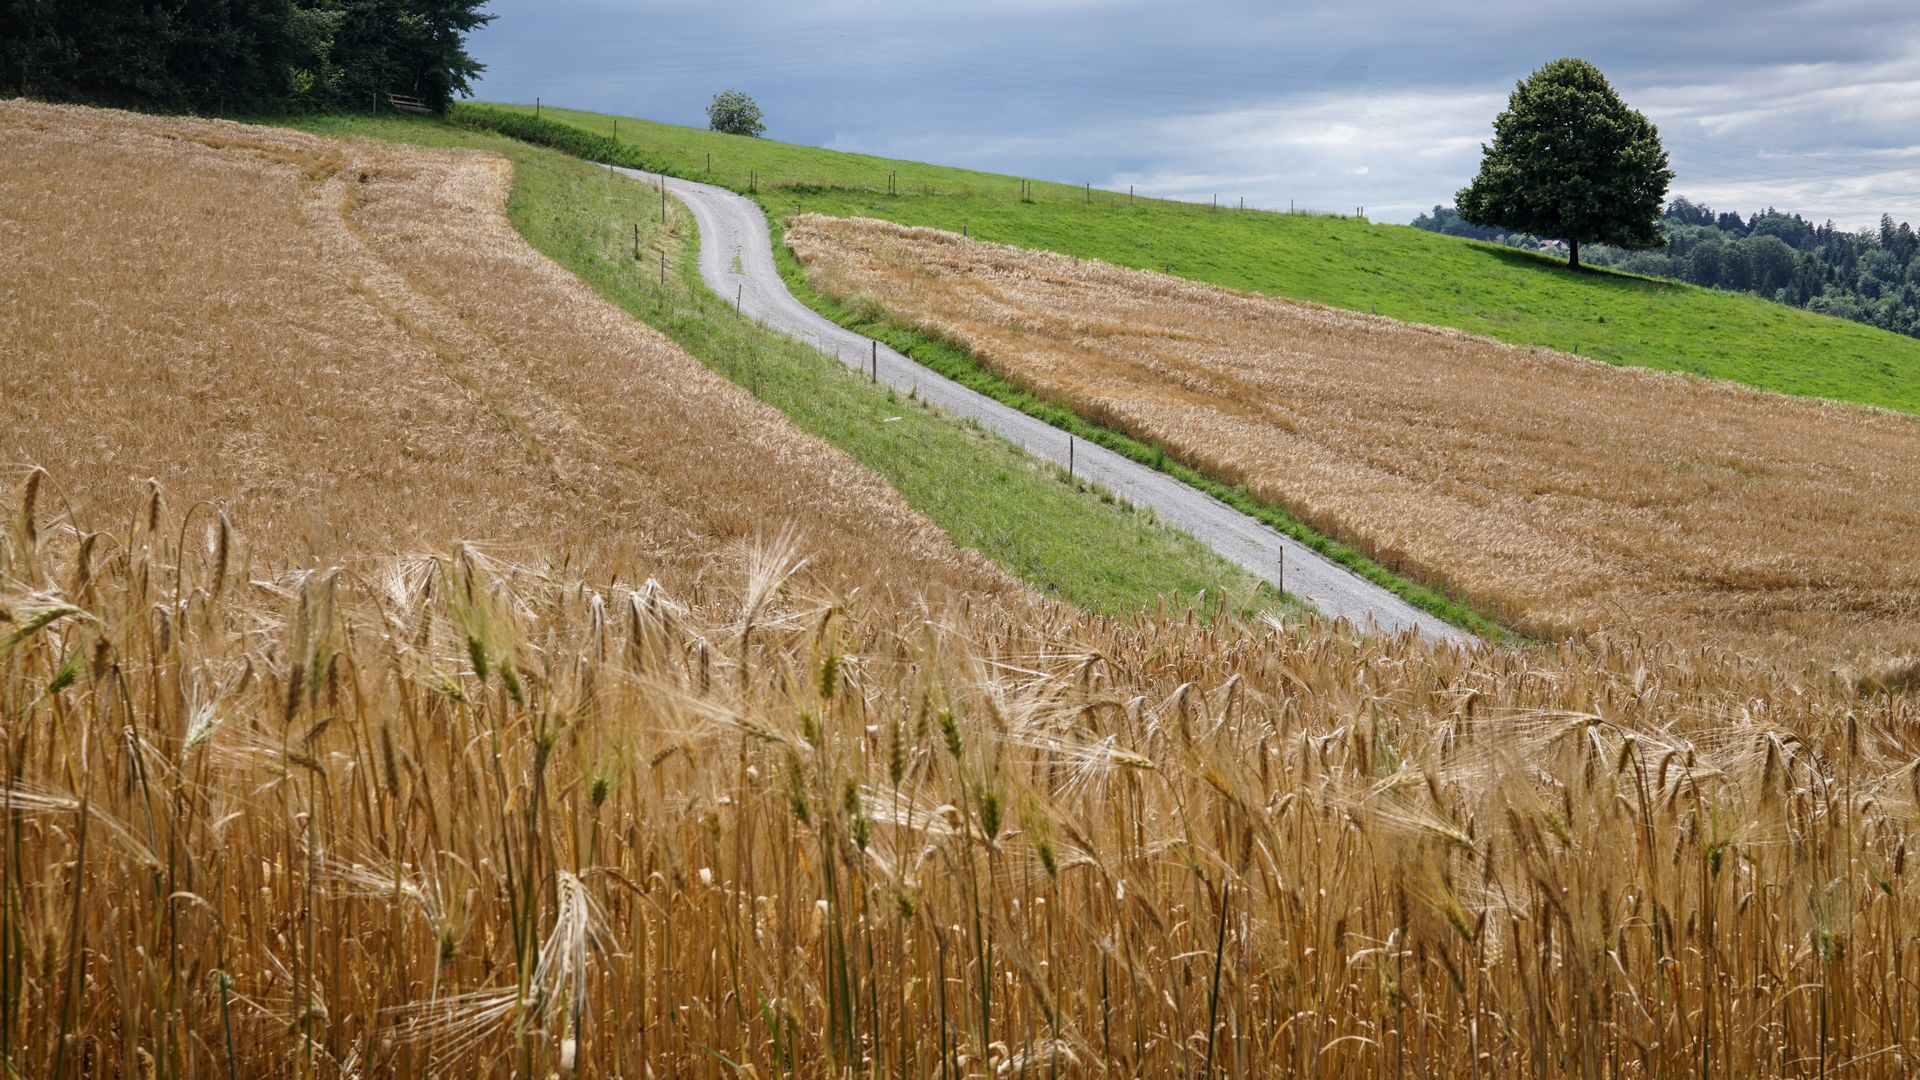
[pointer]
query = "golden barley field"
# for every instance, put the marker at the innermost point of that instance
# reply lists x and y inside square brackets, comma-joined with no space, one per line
[302,780]
[1556,492]
[351,350]
[440,815]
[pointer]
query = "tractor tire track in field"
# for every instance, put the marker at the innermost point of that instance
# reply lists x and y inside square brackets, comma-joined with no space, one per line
[736,262]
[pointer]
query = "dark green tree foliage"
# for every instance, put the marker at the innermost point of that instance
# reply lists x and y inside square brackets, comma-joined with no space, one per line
[734,113]
[414,47]
[191,54]
[1867,275]
[237,56]
[1571,161]
[565,138]
[1448,221]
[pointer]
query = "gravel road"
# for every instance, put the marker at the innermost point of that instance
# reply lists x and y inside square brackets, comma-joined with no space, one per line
[736,261]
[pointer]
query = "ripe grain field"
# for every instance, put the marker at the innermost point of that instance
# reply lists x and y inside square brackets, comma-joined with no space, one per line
[310,788]
[351,349]
[1561,493]
[441,815]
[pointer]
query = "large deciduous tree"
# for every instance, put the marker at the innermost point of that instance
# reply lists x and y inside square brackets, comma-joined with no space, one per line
[414,47]
[1571,161]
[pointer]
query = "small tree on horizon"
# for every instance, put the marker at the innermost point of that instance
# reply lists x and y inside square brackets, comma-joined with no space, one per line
[1571,161]
[734,113]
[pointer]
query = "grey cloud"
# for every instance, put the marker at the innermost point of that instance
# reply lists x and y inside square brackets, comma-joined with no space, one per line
[1799,105]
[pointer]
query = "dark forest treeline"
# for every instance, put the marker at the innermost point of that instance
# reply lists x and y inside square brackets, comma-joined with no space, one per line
[237,57]
[1867,275]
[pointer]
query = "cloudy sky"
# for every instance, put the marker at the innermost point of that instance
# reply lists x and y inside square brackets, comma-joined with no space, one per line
[1810,107]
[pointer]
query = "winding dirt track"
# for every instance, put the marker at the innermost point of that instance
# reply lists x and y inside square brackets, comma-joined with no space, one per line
[736,261]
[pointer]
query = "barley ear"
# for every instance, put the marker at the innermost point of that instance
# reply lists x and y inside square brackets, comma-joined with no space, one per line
[896,752]
[83,567]
[222,552]
[153,506]
[26,529]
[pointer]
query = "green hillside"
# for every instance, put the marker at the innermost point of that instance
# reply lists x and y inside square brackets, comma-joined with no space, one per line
[1403,272]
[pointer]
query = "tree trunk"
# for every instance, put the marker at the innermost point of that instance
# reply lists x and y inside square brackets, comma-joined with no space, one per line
[1573,254]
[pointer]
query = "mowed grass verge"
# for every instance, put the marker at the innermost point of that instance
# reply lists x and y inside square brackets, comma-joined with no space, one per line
[1512,296]
[1068,539]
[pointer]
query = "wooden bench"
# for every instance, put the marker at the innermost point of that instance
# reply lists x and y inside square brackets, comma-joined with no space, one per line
[403,103]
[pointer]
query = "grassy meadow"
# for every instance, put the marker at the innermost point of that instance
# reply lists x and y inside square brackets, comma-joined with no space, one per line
[1512,296]
[712,757]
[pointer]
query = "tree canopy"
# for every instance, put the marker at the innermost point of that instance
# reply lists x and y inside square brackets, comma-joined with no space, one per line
[238,56]
[734,113]
[1571,161]
[1867,275]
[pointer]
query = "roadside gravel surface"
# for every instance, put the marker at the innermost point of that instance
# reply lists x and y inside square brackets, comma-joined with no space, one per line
[736,261]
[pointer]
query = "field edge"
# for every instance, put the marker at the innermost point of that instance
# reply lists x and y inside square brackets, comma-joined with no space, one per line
[957,362]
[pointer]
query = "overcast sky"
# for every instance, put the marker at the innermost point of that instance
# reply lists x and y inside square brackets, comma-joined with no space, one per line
[1810,107]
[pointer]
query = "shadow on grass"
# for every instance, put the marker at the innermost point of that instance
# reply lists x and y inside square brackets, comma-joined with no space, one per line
[1604,276]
